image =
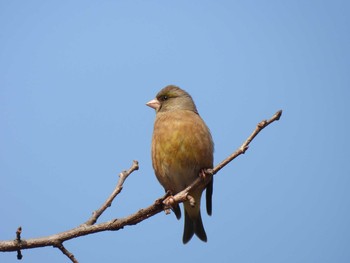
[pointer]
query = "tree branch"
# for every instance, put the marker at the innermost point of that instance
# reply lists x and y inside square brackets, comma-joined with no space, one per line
[241,150]
[206,175]
[161,204]
[122,177]
[60,246]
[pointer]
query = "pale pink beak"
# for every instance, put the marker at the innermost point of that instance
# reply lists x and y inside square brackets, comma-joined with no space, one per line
[153,104]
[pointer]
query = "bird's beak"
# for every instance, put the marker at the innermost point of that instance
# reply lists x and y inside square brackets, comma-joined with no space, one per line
[153,104]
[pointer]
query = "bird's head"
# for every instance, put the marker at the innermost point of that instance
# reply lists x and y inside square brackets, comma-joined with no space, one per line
[172,98]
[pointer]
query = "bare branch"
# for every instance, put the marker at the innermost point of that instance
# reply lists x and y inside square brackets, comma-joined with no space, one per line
[203,180]
[161,204]
[83,230]
[122,177]
[60,246]
[261,125]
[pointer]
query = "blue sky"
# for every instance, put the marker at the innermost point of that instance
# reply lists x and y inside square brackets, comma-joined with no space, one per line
[75,77]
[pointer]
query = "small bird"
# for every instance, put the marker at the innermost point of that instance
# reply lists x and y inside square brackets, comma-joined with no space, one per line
[182,147]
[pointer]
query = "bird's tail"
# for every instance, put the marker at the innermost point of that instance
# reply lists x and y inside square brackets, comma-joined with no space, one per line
[193,225]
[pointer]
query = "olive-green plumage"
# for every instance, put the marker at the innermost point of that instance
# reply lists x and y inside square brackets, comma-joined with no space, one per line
[181,147]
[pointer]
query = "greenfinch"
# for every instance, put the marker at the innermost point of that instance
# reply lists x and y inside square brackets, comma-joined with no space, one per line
[182,147]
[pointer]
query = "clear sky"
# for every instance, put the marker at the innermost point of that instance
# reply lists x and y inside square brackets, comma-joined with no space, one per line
[74,80]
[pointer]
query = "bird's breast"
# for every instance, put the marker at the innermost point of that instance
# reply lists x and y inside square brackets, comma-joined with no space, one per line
[181,147]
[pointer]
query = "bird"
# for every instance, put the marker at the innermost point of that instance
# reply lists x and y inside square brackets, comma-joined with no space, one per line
[182,147]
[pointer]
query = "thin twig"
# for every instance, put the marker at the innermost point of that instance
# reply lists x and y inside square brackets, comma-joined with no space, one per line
[18,234]
[261,125]
[18,239]
[122,177]
[203,180]
[60,246]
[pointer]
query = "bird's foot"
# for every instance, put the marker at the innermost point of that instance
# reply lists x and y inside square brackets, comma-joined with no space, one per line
[191,200]
[169,203]
[204,173]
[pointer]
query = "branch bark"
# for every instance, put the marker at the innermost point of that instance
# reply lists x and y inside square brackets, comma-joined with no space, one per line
[161,204]
[122,177]
[206,175]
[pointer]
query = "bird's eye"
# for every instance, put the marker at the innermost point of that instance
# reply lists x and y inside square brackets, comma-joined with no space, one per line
[164,98]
